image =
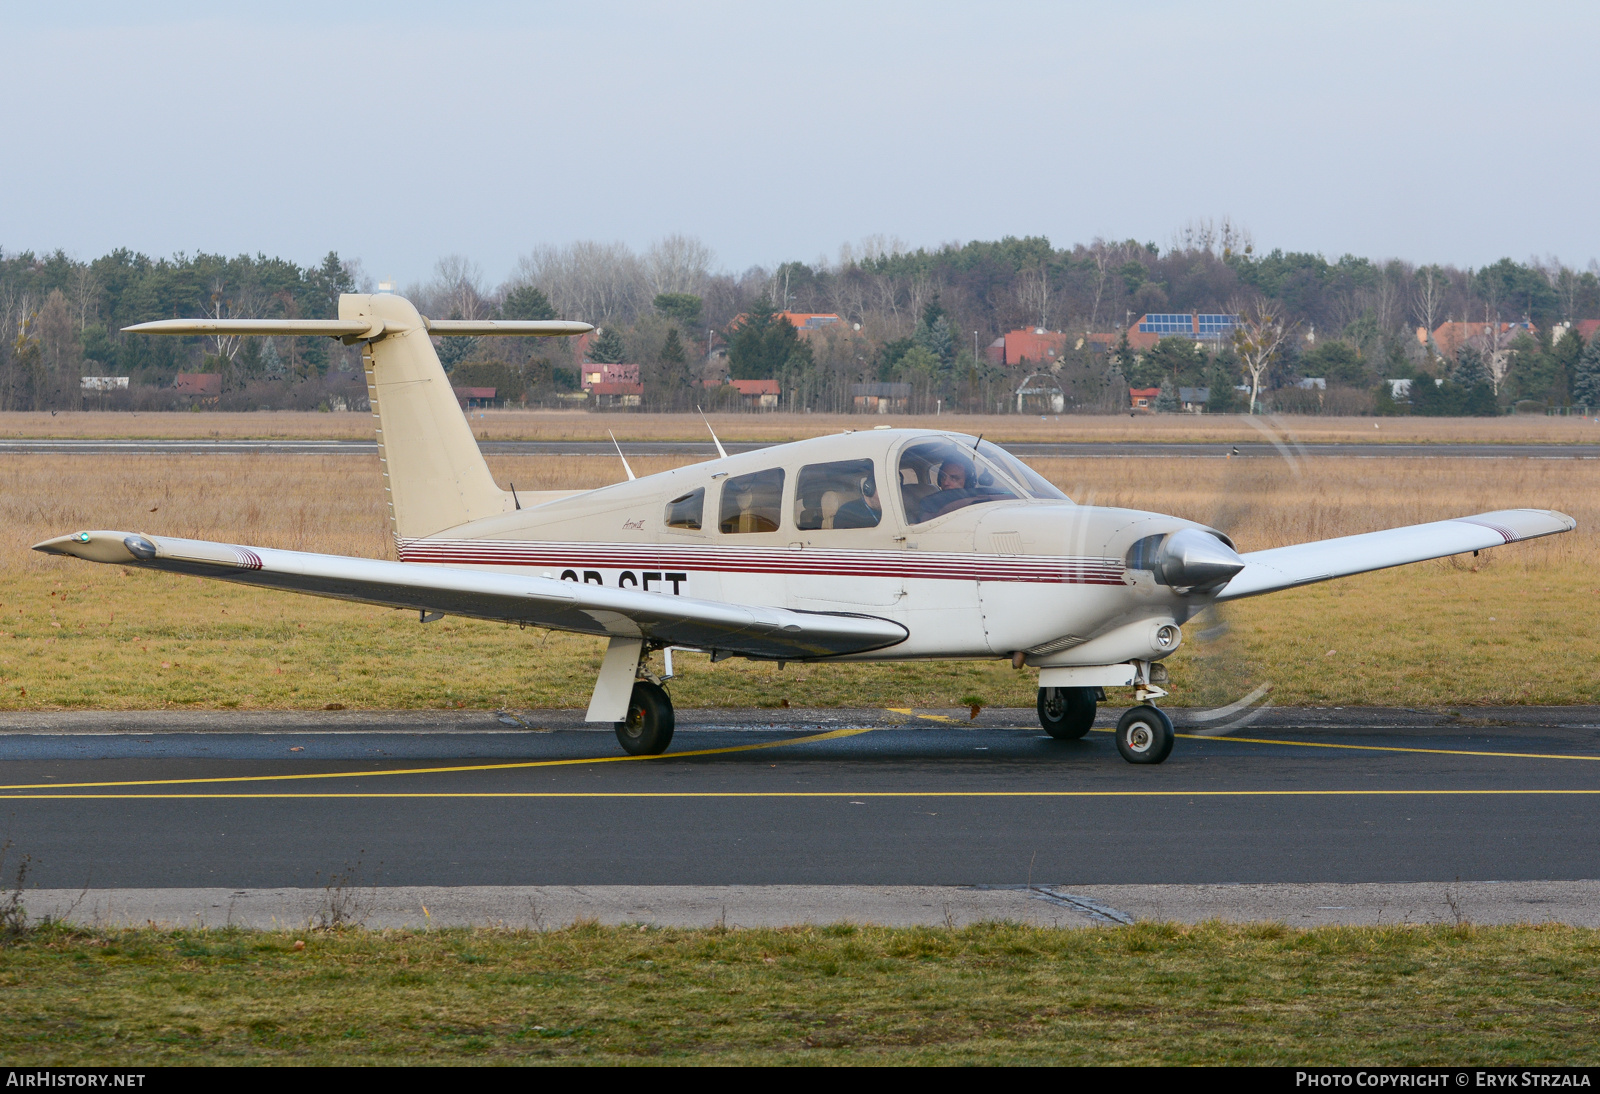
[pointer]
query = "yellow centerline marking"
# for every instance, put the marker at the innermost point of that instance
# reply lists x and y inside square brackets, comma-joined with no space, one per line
[1392,748]
[679,794]
[832,734]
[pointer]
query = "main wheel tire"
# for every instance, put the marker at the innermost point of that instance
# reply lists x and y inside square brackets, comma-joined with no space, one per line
[1144,735]
[648,728]
[1066,713]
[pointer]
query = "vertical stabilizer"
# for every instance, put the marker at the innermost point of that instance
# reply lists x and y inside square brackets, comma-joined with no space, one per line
[434,476]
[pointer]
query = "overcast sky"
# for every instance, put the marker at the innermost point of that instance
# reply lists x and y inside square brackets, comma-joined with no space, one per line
[397,133]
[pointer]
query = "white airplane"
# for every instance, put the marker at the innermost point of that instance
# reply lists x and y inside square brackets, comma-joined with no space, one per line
[879,545]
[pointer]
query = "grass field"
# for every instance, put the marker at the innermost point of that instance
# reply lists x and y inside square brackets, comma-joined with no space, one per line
[1513,626]
[578,425]
[988,994]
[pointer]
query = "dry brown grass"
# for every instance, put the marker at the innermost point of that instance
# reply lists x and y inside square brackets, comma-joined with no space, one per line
[577,425]
[1502,628]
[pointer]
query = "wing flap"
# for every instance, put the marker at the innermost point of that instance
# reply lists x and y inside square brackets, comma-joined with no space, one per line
[755,631]
[1308,563]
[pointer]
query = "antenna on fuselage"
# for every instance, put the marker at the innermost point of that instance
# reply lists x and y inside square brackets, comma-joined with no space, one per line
[620,456]
[721,452]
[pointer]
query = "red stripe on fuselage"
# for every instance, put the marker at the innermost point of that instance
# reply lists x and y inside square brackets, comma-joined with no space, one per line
[767,560]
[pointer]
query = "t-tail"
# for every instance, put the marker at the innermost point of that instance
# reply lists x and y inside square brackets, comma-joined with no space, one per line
[434,475]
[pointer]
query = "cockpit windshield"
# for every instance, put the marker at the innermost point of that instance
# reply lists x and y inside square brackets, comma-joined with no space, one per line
[943,475]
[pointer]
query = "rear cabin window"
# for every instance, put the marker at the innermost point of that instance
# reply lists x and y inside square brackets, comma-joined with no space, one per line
[685,511]
[752,503]
[837,495]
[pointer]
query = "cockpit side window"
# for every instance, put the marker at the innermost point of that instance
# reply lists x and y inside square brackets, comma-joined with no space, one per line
[752,503]
[685,511]
[939,477]
[828,496]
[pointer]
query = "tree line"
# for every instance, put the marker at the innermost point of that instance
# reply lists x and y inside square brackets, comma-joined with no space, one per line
[921,317]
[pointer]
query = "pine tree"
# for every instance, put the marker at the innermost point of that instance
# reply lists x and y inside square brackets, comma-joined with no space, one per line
[1167,398]
[672,349]
[937,339]
[1469,368]
[608,348]
[1586,374]
[527,302]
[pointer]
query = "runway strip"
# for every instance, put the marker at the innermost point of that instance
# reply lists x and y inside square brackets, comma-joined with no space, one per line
[704,449]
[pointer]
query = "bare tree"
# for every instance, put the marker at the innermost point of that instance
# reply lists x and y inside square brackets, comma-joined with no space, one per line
[1101,253]
[85,294]
[1386,297]
[595,282]
[677,264]
[456,290]
[60,353]
[1259,338]
[1033,294]
[1428,289]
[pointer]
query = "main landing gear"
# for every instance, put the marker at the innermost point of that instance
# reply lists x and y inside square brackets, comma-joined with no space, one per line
[1144,734]
[1067,713]
[648,728]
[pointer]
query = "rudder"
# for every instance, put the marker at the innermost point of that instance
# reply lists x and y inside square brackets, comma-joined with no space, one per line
[434,475]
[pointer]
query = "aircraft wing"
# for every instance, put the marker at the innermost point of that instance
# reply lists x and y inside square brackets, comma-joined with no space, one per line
[771,633]
[1308,563]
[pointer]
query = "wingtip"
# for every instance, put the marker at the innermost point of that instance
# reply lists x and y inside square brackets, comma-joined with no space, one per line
[90,546]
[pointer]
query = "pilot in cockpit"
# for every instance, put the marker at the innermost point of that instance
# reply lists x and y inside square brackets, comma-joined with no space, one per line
[954,491]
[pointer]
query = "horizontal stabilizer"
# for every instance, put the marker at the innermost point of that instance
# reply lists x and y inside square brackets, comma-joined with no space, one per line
[516,328]
[343,328]
[1308,563]
[751,630]
[330,328]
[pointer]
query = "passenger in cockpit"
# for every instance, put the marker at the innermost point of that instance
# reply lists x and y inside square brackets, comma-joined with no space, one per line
[865,512]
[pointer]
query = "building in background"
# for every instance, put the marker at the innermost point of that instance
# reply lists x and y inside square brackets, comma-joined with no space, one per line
[880,398]
[1486,338]
[1213,327]
[757,394]
[1144,399]
[608,374]
[203,388]
[807,323]
[613,395]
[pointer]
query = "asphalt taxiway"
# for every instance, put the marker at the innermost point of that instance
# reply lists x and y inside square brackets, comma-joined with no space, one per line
[746,801]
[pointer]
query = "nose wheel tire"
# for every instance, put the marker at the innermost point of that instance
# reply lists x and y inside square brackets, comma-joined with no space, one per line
[648,728]
[1144,735]
[1066,713]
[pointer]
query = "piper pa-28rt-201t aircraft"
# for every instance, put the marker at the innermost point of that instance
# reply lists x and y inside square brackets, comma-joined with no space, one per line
[879,545]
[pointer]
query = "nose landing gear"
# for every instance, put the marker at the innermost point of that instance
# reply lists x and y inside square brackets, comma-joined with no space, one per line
[1144,735]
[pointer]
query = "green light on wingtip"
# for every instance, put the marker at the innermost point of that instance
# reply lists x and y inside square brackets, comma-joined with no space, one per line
[83,537]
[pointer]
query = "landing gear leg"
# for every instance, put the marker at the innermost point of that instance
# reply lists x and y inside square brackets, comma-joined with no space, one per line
[647,731]
[1144,735]
[1067,713]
